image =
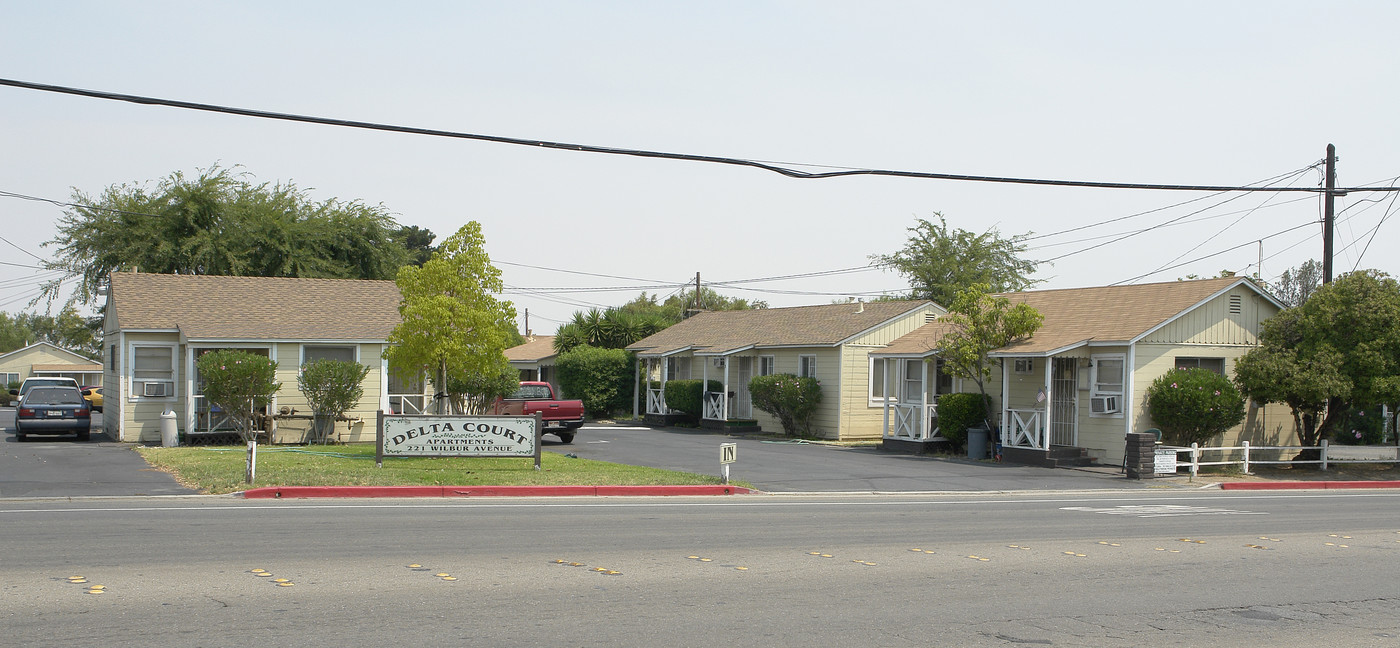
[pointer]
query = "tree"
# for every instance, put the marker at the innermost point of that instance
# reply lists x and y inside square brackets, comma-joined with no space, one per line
[476,393]
[790,399]
[1193,405]
[1338,350]
[67,330]
[1296,284]
[940,262]
[222,223]
[452,322]
[617,327]
[331,388]
[601,378]
[982,322]
[240,384]
[417,242]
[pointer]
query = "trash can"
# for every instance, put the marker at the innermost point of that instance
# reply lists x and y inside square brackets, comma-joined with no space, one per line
[169,434]
[977,442]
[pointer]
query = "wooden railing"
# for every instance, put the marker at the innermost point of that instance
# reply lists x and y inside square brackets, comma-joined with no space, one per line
[914,422]
[714,406]
[1025,430]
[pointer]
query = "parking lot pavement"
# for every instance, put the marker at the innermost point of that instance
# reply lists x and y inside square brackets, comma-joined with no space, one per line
[62,466]
[777,465]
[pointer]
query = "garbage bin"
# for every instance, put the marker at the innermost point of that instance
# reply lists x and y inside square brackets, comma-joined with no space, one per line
[977,442]
[169,434]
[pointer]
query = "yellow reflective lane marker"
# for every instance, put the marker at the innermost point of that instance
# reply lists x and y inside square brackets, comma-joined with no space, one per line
[742,568]
[93,591]
[413,566]
[449,578]
[285,584]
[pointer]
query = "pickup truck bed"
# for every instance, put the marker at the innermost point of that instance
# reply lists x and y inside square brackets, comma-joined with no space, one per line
[561,417]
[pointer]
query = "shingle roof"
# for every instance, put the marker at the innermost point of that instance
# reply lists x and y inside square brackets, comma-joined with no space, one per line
[90,367]
[533,351]
[255,308]
[1079,315]
[722,331]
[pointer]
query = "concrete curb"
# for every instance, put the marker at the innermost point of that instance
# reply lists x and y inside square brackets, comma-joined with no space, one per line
[1308,485]
[279,492]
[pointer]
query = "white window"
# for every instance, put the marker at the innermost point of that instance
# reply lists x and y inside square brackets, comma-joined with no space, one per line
[767,365]
[807,366]
[877,379]
[408,395]
[1023,365]
[1214,364]
[678,368]
[153,372]
[10,379]
[1106,385]
[913,381]
[311,353]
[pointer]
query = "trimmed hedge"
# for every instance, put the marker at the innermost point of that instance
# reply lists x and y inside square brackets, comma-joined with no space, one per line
[957,413]
[684,395]
[601,378]
[791,399]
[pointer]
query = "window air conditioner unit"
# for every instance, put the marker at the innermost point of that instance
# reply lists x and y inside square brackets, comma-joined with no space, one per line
[153,389]
[1104,404]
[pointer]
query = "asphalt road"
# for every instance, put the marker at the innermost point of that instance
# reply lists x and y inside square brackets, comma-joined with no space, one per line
[62,466]
[1161,568]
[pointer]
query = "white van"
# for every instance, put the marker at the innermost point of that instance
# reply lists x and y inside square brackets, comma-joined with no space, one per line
[30,383]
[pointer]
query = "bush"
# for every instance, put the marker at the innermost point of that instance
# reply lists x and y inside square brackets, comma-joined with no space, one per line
[477,393]
[239,383]
[1193,405]
[791,399]
[331,388]
[957,413]
[1362,427]
[684,395]
[601,378]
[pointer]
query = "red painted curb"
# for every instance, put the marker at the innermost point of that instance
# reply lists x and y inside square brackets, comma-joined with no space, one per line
[1308,485]
[277,492]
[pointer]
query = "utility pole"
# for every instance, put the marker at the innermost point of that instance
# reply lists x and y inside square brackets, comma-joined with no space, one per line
[1328,215]
[697,292]
[527,325]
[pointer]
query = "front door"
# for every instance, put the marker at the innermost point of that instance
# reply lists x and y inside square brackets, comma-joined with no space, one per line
[1064,412]
[743,400]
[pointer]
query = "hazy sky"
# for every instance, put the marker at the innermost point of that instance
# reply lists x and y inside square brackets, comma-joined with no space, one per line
[1219,93]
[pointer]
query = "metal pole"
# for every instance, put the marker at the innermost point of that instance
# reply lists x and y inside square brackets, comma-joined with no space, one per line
[1246,457]
[1328,212]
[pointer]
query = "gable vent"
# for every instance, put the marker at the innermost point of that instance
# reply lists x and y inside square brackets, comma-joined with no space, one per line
[1236,304]
[930,317]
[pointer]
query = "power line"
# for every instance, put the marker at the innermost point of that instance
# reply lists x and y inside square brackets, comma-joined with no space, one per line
[1213,254]
[776,168]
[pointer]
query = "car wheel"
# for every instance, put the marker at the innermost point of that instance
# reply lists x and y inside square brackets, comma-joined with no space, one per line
[566,437]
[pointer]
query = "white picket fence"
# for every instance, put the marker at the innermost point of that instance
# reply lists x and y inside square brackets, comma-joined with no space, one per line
[1328,455]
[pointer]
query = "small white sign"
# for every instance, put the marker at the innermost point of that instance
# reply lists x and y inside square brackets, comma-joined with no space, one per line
[1164,461]
[460,436]
[728,452]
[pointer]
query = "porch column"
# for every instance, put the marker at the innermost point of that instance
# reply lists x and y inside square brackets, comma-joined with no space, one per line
[724,394]
[704,381]
[1049,398]
[885,368]
[636,380]
[923,401]
[1005,403]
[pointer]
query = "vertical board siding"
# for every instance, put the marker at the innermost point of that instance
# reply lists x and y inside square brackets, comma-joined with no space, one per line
[1213,323]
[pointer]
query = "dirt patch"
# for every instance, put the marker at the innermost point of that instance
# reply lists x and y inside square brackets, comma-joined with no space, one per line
[1312,472]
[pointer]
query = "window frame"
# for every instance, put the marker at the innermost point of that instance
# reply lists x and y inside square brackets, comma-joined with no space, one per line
[1177,362]
[807,365]
[138,395]
[883,368]
[1095,364]
[354,352]
[767,365]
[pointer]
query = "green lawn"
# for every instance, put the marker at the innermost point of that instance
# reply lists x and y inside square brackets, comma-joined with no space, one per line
[221,469]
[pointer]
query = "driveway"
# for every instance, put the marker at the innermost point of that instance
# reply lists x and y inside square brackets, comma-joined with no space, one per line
[64,467]
[791,466]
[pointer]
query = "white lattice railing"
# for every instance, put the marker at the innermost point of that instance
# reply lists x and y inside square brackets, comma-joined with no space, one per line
[1024,430]
[914,422]
[714,406]
[656,401]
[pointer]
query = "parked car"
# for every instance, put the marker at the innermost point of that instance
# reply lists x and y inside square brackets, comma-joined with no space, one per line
[561,417]
[30,383]
[50,409]
[93,396]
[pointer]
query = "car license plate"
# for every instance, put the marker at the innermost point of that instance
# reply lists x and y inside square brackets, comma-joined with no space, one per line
[54,413]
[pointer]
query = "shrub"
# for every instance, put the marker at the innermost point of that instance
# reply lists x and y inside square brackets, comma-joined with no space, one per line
[1193,405]
[957,413]
[475,394]
[601,378]
[239,383]
[684,395]
[1362,427]
[331,388]
[791,399]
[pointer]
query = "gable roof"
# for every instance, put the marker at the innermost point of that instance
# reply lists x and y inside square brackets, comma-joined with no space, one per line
[78,357]
[204,307]
[1076,316]
[727,331]
[540,348]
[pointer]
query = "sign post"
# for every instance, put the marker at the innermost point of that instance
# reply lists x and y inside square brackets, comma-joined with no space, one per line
[728,453]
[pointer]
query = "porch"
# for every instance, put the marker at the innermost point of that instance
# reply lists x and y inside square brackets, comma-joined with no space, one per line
[1042,429]
[730,408]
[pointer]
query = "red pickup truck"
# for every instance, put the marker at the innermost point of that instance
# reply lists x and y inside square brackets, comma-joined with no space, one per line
[561,417]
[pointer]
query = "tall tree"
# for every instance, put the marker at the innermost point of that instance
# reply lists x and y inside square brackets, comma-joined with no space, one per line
[453,323]
[1339,349]
[221,222]
[981,323]
[67,329]
[939,261]
[1296,284]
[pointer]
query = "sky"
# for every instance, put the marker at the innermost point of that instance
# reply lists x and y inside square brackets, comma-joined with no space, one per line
[1191,93]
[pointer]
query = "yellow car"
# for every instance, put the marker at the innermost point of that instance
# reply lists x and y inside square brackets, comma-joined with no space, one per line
[93,395]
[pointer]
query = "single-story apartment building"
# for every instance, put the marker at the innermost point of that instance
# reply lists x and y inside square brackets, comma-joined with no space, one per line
[1078,385]
[535,360]
[48,360]
[157,325]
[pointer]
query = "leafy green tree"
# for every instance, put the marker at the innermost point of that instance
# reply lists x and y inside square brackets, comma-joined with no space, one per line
[14,333]
[601,378]
[239,383]
[1338,350]
[789,398]
[1296,284]
[452,322]
[1193,405]
[220,222]
[476,393]
[982,322]
[939,261]
[331,388]
[417,242]
[958,412]
[615,328]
